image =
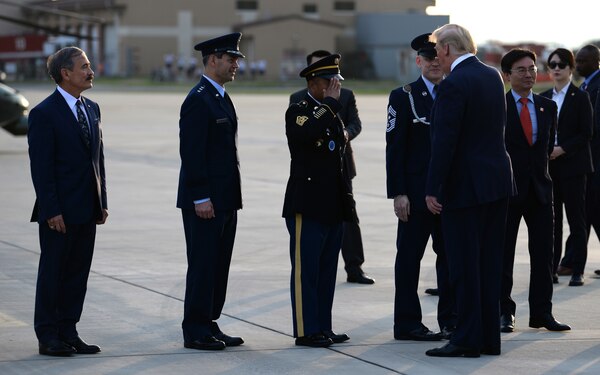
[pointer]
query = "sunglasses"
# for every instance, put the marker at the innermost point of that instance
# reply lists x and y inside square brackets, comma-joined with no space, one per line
[554,64]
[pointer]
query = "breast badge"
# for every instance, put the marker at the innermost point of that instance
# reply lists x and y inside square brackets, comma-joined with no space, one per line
[300,120]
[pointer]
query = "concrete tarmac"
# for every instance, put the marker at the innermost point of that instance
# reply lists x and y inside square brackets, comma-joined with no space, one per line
[134,304]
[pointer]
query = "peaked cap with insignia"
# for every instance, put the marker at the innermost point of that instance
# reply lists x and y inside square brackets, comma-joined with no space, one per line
[423,46]
[328,67]
[229,44]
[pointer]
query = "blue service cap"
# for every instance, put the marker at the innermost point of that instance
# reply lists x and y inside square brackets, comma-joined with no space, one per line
[229,44]
[423,46]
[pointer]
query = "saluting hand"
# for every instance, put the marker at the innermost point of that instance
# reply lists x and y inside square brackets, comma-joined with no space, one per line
[333,89]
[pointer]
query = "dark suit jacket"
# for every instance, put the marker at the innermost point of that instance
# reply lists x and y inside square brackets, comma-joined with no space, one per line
[593,89]
[469,163]
[408,143]
[317,187]
[208,150]
[349,115]
[530,163]
[574,134]
[68,177]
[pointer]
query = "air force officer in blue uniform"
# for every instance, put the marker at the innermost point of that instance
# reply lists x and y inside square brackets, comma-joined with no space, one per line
[67,167]
[408,149]
[209,192]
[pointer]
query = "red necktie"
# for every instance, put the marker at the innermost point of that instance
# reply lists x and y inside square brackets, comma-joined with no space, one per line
[526,121]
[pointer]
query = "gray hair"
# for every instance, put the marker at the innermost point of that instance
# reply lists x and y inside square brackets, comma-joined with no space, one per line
[62,59]
[457,37]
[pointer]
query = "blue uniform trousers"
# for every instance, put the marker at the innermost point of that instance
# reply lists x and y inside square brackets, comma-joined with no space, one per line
[411,242]
[314,252]
[209,247]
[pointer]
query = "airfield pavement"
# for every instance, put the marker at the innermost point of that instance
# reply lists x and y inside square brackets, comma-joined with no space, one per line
[134,303]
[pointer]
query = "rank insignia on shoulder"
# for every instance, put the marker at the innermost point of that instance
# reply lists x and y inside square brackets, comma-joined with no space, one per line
[300,120]
[200,89]
[406,88]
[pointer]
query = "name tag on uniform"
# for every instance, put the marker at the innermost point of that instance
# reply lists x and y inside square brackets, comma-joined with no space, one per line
[222,121]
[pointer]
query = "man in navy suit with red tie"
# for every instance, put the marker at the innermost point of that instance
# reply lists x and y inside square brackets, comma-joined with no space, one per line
[67,168]
[469,182]
[529,137]
[209,194]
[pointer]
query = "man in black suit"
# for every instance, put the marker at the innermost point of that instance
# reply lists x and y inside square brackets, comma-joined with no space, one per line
[468,183]
[587,64]
[529,138]
[408,149]
[317,202]
[67,168]
[352,245]
[209,192]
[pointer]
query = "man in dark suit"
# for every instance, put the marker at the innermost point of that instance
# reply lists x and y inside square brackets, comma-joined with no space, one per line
[209,192]
[408,149]
[570,166]
[469,182]
[317,202]
[529,138]
[587,64]
[67,169]
[352,245]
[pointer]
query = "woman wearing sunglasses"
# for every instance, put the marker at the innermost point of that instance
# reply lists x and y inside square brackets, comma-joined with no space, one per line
[570,162]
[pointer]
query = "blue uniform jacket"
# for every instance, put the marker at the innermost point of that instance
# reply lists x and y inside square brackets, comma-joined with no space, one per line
[208,148]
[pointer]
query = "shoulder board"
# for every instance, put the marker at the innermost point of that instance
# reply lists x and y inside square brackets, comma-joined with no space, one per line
[200,89]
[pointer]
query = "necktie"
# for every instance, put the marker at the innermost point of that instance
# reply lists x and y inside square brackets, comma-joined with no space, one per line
[435,91]
[85,129]
[526,121]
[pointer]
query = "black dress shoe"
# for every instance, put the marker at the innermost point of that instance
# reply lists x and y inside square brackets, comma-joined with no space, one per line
[564,271]
[446,333]
[81,347]
[507,323]
[450,350]
[490,351]
[420,334]
[576,280]
[597,272]
[555,278]
[432,291]
[205,343]
[56,348]
[360,278]
[229,340]
[335,337]
[315,341]
[547,321]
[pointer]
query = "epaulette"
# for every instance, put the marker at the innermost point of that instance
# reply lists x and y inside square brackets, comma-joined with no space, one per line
[200,89]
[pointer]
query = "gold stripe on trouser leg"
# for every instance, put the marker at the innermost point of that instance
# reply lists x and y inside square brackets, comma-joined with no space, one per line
[298,278]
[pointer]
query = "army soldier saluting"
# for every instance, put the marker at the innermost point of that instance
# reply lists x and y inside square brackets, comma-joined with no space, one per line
[317,201]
